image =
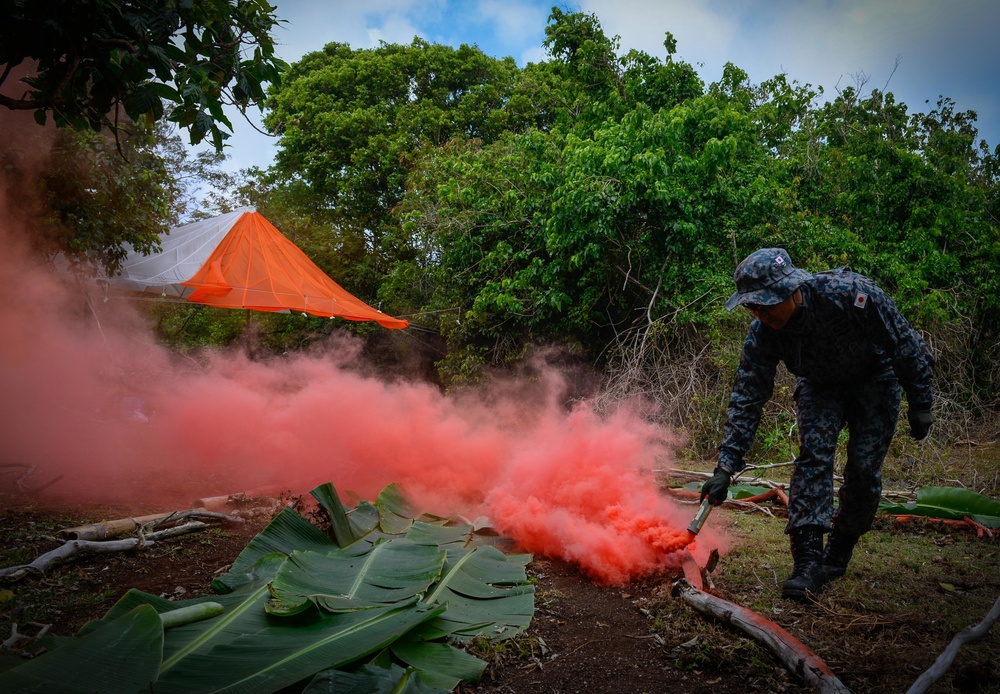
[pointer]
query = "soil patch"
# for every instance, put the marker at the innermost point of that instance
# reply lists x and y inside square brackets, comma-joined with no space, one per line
[591,638]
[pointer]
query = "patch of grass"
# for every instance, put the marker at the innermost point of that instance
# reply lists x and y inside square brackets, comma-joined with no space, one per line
[908,591]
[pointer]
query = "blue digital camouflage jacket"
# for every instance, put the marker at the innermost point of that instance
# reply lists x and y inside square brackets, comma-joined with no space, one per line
[848,332]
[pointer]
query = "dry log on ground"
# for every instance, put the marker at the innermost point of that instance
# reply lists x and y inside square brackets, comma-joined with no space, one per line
[123,526]
[269,493]
[944,661]
[796,656]
[77,548]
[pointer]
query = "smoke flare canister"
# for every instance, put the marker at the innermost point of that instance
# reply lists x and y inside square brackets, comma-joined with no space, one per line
[700,517]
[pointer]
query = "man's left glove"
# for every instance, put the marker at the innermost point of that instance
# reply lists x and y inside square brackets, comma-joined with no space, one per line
[920,418]
[717,487]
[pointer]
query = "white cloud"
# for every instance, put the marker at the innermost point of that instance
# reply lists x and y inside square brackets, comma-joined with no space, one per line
[703,34]
[918,49]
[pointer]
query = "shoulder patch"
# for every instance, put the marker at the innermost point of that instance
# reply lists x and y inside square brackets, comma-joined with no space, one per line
[860,299]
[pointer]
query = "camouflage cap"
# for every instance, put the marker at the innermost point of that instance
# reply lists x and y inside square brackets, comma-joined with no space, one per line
[765,277]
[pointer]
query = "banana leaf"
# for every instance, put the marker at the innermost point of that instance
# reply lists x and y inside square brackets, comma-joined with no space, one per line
[341,581]
[286,533]
[343,533]
[439,664]
[127,649]
[950,503]
[395,514]
[289,651]
[486,594]
[243,650]
[370,679]
[440,535]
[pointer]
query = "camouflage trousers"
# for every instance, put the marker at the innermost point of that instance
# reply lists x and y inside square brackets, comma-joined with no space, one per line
[869,411]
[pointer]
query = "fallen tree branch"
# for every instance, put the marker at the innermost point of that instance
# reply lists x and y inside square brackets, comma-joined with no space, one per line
[795,655]
[965,524]
[10,643]
[123,526]
[270,493]
[77,548]
[944,661]
[29,470]
[694,475]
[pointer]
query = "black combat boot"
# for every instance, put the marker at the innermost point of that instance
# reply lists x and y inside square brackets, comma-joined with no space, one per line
[837,555]
[807,554]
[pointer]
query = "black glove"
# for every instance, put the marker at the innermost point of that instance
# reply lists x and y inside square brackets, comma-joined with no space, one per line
[717,487]
[920,418]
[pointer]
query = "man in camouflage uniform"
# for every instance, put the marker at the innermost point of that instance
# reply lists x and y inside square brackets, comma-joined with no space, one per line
[850,350]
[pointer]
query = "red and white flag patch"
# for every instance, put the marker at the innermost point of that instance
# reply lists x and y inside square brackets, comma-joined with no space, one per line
[860,299]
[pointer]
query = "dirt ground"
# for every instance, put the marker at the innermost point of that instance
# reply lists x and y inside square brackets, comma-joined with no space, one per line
[584,637]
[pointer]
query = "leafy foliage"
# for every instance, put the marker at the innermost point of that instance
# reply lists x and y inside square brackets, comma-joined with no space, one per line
[351,123]
[94,57]
[95,204]
[579,236]
[300,611]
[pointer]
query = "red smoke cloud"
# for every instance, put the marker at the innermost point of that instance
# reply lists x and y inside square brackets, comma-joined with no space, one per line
[75,380]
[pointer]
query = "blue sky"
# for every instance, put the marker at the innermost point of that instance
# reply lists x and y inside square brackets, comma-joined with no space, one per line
[917,49]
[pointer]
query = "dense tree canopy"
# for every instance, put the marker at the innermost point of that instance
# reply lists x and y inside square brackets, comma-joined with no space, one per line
[594,195]
[85,59]
[352,123]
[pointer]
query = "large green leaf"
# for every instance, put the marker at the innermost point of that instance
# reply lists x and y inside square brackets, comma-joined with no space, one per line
[440,535]
[344,580]
[390,595]
[951,503]
[370,679]
[243,613]
[363,518]
[439,664]
[121,656]
[288,650]
[395,513]
[286,533]
[327,497]
[486,593]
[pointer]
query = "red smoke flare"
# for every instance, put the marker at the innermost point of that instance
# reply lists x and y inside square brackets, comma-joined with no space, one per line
[88,394]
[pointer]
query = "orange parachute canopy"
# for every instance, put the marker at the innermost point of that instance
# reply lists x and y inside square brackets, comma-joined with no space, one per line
[240,260]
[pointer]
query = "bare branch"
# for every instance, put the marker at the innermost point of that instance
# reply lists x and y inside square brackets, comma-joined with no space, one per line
[944,661]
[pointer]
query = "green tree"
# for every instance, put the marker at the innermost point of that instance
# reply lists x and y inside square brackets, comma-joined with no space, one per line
[89,201]
[906,199]
[87,59]
[352,122]
[543,237]
[617,213]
